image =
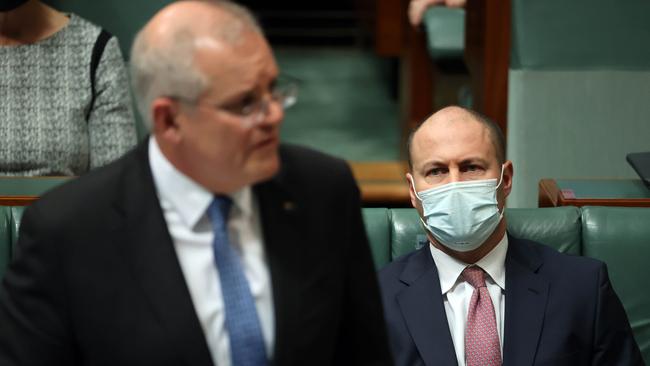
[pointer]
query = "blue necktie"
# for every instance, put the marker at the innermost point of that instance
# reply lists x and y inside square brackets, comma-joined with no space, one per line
[244,330]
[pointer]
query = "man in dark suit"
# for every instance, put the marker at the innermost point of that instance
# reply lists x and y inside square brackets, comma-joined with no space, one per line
[210,243]
[476,295]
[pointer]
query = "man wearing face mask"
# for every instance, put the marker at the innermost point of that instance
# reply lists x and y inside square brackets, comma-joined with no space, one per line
[476,295]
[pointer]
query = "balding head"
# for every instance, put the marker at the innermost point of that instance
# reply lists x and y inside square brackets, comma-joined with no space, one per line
[163,54]
[453,147]
[454,114]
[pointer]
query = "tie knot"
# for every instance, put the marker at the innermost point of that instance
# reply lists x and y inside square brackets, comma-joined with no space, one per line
[220,208]
[475,276]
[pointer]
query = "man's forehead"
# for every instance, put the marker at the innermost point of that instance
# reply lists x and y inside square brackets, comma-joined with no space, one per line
[451,139]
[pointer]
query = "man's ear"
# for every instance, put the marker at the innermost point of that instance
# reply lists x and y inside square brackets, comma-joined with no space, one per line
[411,183]
[508,172]
[164,114]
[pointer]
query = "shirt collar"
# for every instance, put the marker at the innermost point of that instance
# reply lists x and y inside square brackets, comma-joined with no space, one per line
[187,197]
[450,268]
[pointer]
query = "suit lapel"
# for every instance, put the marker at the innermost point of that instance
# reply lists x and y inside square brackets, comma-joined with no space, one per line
[526,295]
[423,310]
[281,225]
[147,246]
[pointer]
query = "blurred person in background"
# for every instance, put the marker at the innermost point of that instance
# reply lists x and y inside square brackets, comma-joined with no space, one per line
[418,7]
[65,106]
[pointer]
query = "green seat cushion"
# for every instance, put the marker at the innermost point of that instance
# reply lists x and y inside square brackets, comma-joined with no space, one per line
[377,227]
[619,237]
[445,29]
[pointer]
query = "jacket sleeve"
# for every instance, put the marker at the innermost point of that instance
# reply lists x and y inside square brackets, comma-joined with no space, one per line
[33,322]
[363,339]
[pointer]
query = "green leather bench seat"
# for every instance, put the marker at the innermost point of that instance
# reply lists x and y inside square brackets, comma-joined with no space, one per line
[619,236]
[445,30]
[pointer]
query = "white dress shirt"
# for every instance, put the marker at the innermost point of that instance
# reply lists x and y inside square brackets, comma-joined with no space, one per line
[457,293]
[184,204]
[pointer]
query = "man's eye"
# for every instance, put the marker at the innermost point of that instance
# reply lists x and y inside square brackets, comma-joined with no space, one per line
[437,171]
[472,168]
[242,106]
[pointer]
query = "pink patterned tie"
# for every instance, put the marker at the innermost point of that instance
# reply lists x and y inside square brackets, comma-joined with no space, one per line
[481,336]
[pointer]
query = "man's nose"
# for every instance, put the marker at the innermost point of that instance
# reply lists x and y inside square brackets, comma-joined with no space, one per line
[454,176]
[273,112]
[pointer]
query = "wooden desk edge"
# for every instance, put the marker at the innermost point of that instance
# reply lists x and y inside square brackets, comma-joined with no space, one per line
[17,200]
[548,193]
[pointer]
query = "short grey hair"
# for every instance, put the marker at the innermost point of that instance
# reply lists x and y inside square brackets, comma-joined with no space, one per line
[169,69]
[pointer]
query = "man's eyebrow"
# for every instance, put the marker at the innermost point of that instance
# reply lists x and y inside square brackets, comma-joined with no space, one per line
[432,163]
[474,160]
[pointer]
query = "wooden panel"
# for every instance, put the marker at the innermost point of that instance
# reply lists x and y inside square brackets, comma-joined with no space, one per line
[417,78]
[487,54]
[389,26]
[382,183]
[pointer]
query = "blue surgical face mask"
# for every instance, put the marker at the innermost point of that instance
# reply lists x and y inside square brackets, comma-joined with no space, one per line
[461,215]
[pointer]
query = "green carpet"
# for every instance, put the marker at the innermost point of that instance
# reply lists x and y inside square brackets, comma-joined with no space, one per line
[344,106]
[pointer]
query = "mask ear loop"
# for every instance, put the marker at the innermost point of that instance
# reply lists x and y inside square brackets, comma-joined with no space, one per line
[497,187]
[501,178]
[414,190]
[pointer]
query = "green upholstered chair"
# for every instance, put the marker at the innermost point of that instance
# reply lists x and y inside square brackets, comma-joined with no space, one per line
[620,236]
[579,86]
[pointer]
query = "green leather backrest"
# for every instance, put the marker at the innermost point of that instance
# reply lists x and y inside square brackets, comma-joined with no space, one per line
[406,233]
[558,227]
[395,232]
[620,236]
[377,227]
[5,238]
[445,29]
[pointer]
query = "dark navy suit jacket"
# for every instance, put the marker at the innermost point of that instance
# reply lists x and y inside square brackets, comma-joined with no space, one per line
[560,310]
[96,280]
